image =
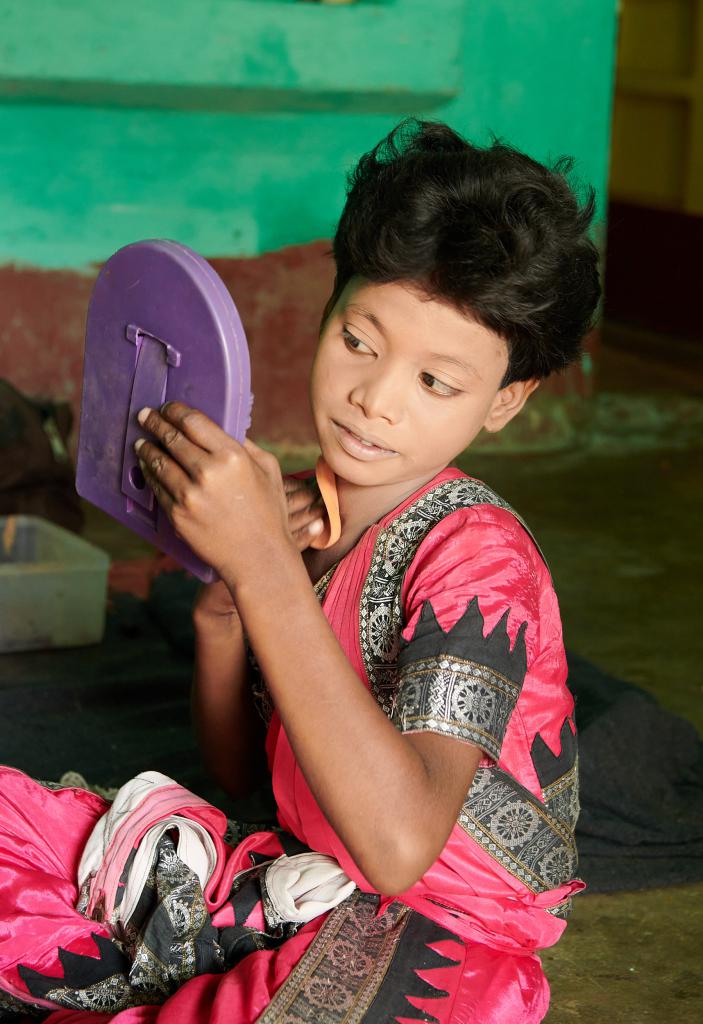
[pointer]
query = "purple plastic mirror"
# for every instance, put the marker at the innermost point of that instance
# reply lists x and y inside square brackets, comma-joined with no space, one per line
[161,327]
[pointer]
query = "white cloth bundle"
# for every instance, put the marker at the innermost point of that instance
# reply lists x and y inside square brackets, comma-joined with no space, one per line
[302,887]
[113,837]
[295,889]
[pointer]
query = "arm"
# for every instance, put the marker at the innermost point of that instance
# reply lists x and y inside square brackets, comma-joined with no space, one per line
[392,798]
[228,728]
[230,731]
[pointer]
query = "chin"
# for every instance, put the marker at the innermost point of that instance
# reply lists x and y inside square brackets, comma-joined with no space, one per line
[356,472]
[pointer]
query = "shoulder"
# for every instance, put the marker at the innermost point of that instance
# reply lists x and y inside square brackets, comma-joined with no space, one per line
[471,526]
[454,504]
[483,536]
[480,556]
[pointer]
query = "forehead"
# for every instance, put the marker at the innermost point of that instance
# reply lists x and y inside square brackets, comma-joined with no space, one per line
[405,317]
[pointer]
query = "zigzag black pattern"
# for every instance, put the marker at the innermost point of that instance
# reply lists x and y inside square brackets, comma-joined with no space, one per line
[466,640]
[79,971]
[402,980]
[549,766]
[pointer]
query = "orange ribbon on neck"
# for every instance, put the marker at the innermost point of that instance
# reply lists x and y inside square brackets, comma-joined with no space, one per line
[327,482]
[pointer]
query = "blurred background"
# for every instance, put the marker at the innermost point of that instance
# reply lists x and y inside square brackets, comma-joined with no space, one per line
[230,125]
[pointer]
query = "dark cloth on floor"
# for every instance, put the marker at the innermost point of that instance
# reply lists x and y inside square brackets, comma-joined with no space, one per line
[641,770]
[114,710]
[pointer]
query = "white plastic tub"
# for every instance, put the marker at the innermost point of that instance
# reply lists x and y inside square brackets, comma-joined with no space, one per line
[53,586]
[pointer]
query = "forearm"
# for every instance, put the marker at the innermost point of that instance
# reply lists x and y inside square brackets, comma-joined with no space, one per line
[229,731]
[371,782]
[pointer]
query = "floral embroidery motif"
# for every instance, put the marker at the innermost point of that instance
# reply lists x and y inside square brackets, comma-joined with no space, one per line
[108,996]
[519,831]
[380,614]
[337,978]
[368,966]
[456,698]
[170,938]
[562,797]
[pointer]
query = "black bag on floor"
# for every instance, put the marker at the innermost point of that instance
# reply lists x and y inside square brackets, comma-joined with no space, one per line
[36,473]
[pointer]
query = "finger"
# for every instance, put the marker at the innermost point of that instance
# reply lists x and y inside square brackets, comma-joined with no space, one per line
[172,439]
[165,477]
[197,427]
[299,520]
[160,493]
[306,535]
[299,501]
[291,484]
[252,448]
[264,460]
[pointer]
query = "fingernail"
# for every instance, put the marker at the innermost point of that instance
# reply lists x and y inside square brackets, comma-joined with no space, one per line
[315,527]
[143,414]
[138,444]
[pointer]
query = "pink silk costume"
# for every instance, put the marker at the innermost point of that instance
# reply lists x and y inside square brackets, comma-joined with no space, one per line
[446,611]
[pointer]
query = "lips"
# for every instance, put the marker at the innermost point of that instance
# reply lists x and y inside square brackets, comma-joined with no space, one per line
[365,438]
[361,445]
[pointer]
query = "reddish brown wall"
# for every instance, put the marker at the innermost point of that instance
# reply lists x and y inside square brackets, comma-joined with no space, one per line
[279,296]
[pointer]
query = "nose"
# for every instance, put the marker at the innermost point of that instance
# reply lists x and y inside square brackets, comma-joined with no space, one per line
[380,394]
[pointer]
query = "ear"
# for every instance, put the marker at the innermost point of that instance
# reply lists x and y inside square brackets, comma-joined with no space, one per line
[508,402]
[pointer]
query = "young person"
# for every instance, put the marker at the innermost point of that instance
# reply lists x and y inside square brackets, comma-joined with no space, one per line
[408,681]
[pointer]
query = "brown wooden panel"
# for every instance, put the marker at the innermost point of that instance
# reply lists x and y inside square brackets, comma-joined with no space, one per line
[653,275]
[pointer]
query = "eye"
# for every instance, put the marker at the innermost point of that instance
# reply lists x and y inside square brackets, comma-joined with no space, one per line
[436,386]
[355,344]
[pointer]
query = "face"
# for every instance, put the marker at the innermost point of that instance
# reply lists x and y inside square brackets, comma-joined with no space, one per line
[401,384]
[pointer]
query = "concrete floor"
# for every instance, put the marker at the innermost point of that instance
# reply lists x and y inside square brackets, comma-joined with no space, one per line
[621,527]
[622,535]
[618,517]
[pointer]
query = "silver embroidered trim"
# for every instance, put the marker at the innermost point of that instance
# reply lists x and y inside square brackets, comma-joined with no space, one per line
[455,697]
[9,1004]
[110,995]
[515,828]
[380,614]
[338,976]
[562,797]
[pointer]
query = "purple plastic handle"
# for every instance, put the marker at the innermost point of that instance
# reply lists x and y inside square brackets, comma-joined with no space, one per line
[161,327]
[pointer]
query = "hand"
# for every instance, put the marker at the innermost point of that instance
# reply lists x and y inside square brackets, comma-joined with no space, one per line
[305,511]
[224,499]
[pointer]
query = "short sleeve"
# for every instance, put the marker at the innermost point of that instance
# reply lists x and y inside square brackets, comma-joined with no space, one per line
[471,609]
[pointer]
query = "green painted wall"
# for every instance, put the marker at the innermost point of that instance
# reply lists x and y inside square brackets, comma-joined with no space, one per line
[229,124]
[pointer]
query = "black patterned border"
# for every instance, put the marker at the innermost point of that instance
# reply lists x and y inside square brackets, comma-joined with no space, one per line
[515,828]
[455,697]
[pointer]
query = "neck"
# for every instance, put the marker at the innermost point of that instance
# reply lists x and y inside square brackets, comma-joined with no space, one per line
[361,506]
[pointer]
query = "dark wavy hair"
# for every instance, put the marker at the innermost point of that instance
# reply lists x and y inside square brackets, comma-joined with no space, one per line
[494,233]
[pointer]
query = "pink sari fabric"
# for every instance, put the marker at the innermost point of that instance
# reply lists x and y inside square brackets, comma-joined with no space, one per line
[42,836]
[486,905]
[476,552]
